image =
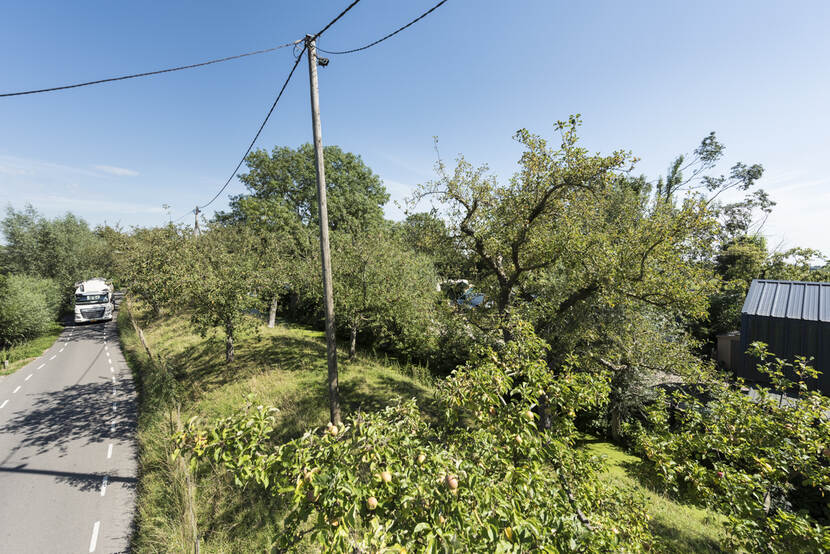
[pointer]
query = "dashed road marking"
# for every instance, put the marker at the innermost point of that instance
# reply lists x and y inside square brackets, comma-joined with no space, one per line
[41,366]
[3,405]
[29,377]
[15,390]
[109,451]
[53,357]
[61,350]
[94,540]
[104,485]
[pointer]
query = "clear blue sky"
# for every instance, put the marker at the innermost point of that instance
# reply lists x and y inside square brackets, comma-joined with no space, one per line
[652,77]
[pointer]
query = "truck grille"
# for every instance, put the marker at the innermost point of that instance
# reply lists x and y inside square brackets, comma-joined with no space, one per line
[94,313]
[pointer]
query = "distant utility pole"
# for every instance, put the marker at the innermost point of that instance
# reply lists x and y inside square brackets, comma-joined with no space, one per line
[196,224]
[331,343]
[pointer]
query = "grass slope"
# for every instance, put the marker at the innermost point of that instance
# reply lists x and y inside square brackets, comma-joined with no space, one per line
[285,367]
[24,353]
[680,528]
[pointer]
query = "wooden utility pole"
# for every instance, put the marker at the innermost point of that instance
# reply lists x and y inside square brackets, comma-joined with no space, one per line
[331,343]
[196,225]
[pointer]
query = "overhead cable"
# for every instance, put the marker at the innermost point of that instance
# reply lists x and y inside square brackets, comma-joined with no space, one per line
[333,21]
[149,73]
[261,127]
[390,35]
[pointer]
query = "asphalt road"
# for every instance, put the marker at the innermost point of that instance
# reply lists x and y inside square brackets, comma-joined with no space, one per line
[67,448]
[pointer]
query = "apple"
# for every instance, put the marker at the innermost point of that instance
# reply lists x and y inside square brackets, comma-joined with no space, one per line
[452,482]
[372,503]
[421,458]
[386,477]
[719,474]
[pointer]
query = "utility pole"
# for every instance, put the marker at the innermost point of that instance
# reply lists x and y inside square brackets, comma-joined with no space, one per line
[331,344]
[196,224]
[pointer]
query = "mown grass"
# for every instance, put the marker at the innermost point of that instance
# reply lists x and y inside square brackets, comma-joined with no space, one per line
[285,367]
[21,354]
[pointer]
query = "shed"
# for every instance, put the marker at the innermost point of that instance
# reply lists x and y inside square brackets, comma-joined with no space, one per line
[792,318]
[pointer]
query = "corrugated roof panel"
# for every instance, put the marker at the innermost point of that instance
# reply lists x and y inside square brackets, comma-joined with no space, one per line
[811,298]
[752,298]
[768,289]
[780,299]
[788,299]
[795,307]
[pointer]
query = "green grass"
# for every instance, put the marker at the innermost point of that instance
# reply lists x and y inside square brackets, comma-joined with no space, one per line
[24,353]
[679,527]
[284,367]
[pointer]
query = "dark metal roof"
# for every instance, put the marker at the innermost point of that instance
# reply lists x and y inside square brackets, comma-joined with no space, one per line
[788,300]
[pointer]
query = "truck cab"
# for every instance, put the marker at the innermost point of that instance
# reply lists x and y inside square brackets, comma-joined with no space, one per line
[93,301]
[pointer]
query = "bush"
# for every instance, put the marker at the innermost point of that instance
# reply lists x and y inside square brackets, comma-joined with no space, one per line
[28,307]
[483,478]
[762,460]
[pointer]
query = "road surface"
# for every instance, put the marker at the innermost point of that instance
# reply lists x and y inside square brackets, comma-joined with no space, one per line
[67,448]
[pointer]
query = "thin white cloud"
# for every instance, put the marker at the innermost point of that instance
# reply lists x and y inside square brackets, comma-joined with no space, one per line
[119,171]
[53,203]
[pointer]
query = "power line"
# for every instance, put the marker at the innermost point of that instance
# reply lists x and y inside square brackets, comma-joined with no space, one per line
[147,74]
[390,35]
[261,127]
[333,21]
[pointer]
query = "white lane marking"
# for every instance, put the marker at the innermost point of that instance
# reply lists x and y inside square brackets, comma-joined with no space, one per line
[113,378]
[112,370]
[3,405]
[61,350]
[104,486]
[15,390]
[113,391]
[41,366]
[94,540]
[27,378]
[114,404]
[109,452]
[53,357]
[108,354]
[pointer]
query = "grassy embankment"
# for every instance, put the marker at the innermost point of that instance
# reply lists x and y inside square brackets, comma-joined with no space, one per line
[285,367]
[24,353]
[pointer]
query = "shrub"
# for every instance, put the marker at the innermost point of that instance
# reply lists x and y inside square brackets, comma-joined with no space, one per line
[762,459]
[28,306]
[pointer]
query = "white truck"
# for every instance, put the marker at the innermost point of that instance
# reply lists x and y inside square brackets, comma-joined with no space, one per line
[93,300]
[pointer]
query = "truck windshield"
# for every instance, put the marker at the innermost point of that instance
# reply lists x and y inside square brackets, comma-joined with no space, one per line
[91,298]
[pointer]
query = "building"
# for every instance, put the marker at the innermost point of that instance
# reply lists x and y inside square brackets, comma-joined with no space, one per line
[792,318]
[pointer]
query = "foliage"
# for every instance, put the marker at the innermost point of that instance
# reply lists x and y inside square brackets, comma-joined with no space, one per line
[482,479]
[29,307]
[427,234]
[380,286]
[150,264]
[759,458]
[64,249]
[221,281]
[283,187]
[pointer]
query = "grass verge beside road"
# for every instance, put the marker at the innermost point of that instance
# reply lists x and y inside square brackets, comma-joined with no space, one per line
[285,367]
[24,353]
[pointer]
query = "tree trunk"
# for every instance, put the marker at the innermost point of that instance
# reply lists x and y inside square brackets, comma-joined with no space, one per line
[229,342]
[272,314]
[353,341]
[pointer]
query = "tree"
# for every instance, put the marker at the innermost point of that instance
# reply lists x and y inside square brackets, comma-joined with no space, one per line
[63,249]
[379,285]
[285,182]
[427,234]
[150,264]
[222,280]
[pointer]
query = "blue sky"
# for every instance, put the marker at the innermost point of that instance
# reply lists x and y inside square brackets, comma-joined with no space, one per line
[650,77]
